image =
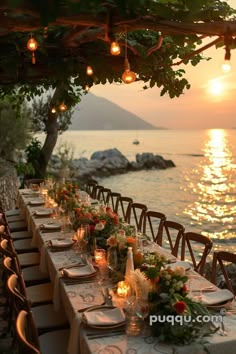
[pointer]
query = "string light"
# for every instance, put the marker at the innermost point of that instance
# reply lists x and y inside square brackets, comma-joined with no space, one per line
[86,87]
[226,67]
[114,48]
[89,70]
[128,76]
[32,45]
[63,107]
[53,110]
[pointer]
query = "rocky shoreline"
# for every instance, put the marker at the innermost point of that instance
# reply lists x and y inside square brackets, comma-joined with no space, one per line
[106,163]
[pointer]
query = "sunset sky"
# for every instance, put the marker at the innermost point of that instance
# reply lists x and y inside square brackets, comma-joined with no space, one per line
[198,107]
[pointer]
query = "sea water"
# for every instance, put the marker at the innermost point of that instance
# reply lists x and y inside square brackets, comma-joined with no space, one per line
[200,192]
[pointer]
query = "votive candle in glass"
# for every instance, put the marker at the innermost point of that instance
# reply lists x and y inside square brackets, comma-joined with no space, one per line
[99,255]
[123,289]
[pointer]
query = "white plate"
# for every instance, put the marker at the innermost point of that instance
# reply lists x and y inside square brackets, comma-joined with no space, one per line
[43,212]
[105,308]
[183,264]
[61,243]
[36,201]
[51,226]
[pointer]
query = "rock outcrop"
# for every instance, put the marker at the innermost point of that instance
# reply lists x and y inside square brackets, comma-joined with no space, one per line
[110,162]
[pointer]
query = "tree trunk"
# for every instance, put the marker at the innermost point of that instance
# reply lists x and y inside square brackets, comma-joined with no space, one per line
[52,131]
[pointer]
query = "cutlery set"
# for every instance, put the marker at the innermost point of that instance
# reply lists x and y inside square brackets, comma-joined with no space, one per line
[104,334]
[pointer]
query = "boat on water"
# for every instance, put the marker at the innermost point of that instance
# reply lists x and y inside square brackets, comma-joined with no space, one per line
[136,142]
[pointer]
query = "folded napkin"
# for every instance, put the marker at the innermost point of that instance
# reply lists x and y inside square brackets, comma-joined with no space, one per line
[50,226]
[79,271]
[29,192]
[217,297]
[104,317]
[177,264]
[61,243]
[43,212]
[38,201]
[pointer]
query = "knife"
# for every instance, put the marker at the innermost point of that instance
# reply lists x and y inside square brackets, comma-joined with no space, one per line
[107,297]
[106,334]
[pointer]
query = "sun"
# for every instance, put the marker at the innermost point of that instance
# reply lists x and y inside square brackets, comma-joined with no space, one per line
[215,88]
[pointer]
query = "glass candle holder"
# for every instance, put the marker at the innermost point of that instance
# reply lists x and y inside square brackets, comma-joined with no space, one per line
[99,255]
[123,289]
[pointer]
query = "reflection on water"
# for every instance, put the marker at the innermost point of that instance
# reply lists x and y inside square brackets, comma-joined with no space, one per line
[215,205]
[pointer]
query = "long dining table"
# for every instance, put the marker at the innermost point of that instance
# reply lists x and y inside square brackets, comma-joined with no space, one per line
[73,297]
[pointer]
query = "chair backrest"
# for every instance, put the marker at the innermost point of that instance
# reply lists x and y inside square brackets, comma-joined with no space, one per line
[137,215]
[7,248]
[15,290]
[124,208]
[27,333]
[192,242]
[223,258]
[113,201]
[104,195]
[97,191]
[172,236]
[153,225]
[90,187]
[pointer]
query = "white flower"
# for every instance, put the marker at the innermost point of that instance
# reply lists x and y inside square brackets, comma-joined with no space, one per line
[180,284]
[168,276]
[179,271]
[99,226]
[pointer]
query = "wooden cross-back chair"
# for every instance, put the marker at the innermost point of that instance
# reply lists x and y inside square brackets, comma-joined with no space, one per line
[27,334]
[124,208]
[90,188]
[45,317]
[153,225]
[104,195]
[97,191]
[25,259]
[172,236]
[223,258]
[32,343]
[191,243]
[137,215]
[113,201]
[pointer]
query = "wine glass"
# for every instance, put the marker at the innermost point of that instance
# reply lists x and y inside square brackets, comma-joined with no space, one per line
[142,311]
[112,260]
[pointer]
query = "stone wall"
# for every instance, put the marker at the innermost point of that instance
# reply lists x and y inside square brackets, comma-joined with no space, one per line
[8,185]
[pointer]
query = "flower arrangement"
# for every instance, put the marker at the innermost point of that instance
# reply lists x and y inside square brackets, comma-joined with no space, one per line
[102,222]
[66,193]
[179,318]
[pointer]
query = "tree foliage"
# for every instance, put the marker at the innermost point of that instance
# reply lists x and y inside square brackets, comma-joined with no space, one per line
[74,34]
[15,126]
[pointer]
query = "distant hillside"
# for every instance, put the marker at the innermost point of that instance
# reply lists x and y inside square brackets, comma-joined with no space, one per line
[98,113]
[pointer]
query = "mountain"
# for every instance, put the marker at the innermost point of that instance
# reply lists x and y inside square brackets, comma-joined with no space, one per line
[98,113]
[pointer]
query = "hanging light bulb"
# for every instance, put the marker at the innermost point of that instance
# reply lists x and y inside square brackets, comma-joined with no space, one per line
[226,67]
[128,76]
[89,70]
[114,48]
[63,107]
[32,45]
[53,110]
